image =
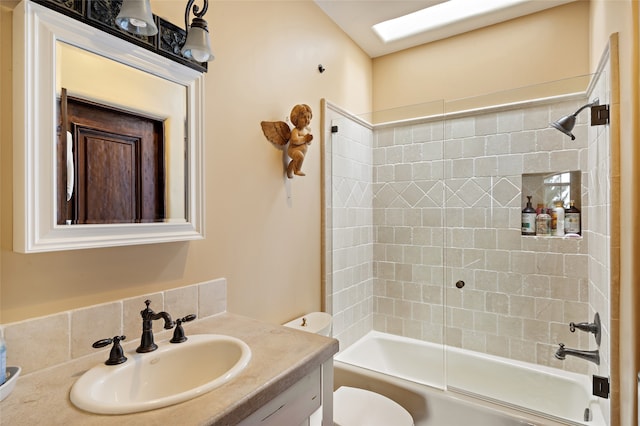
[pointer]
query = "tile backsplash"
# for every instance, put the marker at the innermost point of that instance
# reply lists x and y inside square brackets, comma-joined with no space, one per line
[43,342]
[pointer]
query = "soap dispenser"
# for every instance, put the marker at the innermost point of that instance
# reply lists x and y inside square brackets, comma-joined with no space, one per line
[572,219]
[557,219]
[529,218]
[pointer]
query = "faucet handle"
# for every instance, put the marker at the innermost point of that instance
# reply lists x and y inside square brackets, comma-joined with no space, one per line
[116,356]
[188,318]
[584,326]
[178,333]
[594,327]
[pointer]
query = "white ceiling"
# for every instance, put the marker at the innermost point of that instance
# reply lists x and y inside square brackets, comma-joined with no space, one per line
[356,17]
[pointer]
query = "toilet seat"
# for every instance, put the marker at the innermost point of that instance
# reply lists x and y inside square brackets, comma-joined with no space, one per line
[360,407]
[352,406]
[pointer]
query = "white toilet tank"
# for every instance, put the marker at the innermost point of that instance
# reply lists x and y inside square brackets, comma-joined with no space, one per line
[314,322]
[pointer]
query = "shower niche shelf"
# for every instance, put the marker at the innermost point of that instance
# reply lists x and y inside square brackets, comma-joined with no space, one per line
[546,188]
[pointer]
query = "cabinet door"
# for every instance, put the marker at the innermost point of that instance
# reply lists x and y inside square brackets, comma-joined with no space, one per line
[292,407]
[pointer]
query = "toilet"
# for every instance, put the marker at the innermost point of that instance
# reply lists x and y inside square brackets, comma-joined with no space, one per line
[352,406]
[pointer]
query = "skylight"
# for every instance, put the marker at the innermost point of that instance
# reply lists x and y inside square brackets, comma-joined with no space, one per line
[438,16]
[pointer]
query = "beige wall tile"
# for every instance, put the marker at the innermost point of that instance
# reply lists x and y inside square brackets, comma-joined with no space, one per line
[38,343]
[510,327]
[94,323]
[212,297]
[549,310]
[522,306]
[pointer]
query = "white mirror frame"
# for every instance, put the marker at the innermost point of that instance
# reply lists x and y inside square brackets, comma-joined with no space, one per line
[36,30]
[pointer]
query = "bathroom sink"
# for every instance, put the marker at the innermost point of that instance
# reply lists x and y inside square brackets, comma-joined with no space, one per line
[171,374]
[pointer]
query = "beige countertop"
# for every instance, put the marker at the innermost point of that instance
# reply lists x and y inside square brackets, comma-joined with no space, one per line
[280,357]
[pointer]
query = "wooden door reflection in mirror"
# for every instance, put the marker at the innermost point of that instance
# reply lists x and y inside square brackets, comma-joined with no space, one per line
[117,165]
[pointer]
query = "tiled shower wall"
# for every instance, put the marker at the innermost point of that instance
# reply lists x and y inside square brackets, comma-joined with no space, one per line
[447,200]
[447,208]
[349,246]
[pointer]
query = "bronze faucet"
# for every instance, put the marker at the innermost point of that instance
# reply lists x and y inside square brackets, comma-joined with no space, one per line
[146,341]
[593,356]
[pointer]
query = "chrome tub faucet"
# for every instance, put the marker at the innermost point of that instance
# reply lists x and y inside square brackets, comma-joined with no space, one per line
[148,316]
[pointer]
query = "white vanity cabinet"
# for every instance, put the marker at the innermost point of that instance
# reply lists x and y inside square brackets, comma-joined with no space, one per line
[294,406]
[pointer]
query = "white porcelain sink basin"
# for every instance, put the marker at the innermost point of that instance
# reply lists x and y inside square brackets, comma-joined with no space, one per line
[171,374]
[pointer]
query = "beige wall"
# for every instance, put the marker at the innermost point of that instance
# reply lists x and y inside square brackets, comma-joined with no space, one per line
[539,48]
[266,245]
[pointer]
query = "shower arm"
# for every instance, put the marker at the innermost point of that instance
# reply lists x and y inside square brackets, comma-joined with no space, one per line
[595,102]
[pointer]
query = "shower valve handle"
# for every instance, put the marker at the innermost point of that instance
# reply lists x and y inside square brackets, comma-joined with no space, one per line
[594,327]
[584,326]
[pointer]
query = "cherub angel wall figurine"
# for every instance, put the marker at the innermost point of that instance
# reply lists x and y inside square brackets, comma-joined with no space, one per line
[298,138]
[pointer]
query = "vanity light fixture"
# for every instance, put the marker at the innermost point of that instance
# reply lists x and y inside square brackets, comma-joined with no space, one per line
[135,17]
[197,45]
[599,116]
[133,21]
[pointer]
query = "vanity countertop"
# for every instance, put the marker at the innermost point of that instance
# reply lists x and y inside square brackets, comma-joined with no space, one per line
[280,357]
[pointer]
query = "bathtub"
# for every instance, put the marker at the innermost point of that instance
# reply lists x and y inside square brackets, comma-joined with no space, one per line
[492,391]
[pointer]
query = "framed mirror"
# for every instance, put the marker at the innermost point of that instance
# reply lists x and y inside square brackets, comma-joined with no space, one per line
[57,59]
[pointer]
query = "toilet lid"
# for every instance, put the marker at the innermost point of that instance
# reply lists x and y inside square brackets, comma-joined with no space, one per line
[360,407]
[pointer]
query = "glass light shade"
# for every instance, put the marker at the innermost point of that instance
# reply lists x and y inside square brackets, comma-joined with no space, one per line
[197,45]
[135,17]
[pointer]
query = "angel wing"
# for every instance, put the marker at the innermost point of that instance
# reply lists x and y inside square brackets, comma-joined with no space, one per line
[277,132]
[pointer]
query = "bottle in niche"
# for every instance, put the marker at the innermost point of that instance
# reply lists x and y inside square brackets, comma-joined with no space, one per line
[572,224]
[529,219]
[557,219]
[543,223]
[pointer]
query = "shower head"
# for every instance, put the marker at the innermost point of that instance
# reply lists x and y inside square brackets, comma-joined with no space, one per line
[566,123]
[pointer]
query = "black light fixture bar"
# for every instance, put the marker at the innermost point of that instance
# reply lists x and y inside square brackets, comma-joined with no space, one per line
[101,14]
